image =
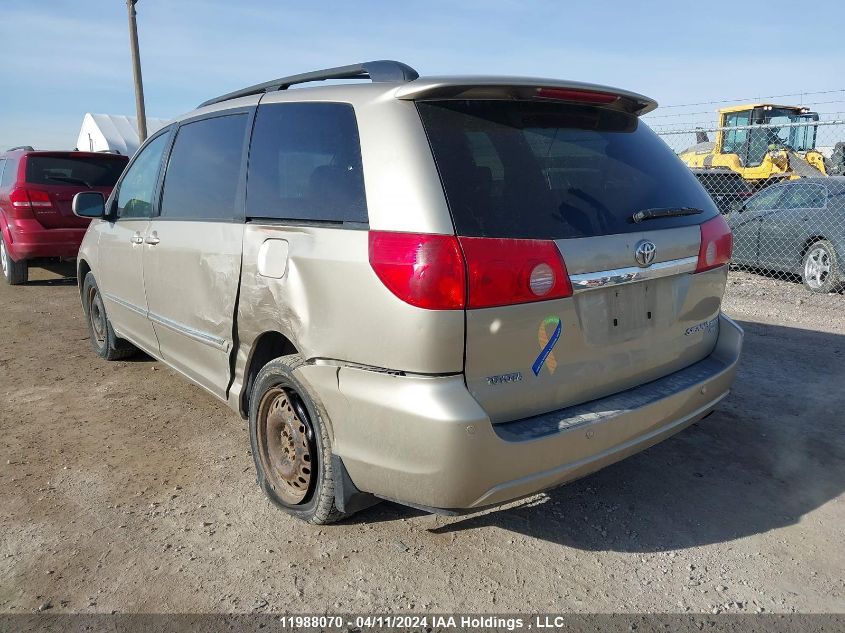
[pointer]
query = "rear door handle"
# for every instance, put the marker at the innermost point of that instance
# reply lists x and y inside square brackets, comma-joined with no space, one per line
[152,239]
[136,239]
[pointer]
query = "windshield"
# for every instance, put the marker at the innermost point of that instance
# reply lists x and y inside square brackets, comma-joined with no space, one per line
[524,169]
[99,171]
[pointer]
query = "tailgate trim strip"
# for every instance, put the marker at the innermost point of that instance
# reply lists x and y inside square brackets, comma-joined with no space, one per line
[632,274]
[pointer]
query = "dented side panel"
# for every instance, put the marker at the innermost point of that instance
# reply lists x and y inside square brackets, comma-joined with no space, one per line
[191,279]
[330,305]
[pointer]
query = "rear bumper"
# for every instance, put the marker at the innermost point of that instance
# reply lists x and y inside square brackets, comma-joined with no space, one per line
[27,239]
[427,442]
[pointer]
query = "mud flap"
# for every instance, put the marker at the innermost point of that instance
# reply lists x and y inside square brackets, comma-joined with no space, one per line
[347,497]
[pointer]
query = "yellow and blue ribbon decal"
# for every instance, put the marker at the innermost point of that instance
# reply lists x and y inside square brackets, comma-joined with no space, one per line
[547,344]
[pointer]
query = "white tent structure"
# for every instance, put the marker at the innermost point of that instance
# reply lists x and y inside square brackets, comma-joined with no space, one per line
[113,132]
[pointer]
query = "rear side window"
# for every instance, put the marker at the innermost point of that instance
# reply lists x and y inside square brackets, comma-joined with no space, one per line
[521,169]
[2,165]
[204,169]
[86,171]
[804,197]
[10,173]
[305,164]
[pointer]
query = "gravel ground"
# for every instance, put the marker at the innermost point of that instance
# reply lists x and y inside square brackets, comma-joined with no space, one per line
[124,488]
[769,299]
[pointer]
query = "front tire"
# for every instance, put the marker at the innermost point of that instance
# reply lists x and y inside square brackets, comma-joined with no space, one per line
[821,268]
[104,341]
[15,273]
[290,444]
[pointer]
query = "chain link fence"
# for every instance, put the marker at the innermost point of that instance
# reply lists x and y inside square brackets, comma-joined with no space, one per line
[781,188]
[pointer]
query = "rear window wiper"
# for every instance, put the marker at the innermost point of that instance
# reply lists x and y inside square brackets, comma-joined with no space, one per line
[73,181]
[671,212]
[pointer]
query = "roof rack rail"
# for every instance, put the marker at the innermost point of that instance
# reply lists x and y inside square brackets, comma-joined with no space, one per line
[379,71]
[26,148]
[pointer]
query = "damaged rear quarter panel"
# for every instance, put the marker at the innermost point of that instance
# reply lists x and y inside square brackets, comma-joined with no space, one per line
[330,305]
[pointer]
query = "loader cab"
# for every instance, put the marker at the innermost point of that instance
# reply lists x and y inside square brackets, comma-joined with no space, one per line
[761,128]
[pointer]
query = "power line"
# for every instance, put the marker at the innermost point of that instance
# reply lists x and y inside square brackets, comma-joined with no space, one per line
[699,121]
[791,94]
[672,116]
[691,114]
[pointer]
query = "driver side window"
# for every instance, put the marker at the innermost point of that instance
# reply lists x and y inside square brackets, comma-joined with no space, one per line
[767,199]
[135,198]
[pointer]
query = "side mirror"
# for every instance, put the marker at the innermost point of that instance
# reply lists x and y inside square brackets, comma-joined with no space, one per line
[89,204]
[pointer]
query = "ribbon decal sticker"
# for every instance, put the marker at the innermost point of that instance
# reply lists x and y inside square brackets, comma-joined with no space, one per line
[547,344]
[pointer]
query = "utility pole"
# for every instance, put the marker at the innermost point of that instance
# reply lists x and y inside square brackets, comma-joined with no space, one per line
[136,71]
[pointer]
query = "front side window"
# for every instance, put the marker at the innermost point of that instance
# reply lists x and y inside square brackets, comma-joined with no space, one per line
[766,199]
[305,164]
[135,197]
[201,182]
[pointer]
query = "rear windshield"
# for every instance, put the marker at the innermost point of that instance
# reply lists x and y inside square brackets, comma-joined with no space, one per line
[78,171]
[523,169]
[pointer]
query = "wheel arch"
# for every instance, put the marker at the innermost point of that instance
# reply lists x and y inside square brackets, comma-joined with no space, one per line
[82,269]
[809,242]
[6,233]
[268,346]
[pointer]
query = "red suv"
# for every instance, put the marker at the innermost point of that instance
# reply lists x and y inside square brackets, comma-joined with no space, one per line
[36,191]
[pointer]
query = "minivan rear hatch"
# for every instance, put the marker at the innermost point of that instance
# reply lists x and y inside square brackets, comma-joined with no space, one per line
[58,176]
[531,181]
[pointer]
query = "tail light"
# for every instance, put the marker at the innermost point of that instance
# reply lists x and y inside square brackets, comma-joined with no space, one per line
[25,199]
[425,270]
[716,244]
[442,272]
[505,272]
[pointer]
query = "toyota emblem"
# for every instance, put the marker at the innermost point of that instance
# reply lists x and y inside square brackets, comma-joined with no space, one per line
[644,253]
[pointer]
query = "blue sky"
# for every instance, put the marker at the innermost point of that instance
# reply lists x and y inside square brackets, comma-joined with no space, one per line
[63,58]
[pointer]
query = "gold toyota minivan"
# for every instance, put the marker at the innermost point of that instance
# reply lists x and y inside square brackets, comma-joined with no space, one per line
[449,292]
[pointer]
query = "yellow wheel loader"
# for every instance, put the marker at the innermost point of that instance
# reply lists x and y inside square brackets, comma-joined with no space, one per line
[769,143]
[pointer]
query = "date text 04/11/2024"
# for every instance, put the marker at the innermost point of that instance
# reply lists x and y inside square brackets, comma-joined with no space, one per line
[479,622]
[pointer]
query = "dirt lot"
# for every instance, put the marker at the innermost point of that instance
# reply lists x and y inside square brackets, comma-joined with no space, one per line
[124,488]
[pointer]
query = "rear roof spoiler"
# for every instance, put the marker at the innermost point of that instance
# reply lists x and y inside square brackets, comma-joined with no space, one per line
[480,87]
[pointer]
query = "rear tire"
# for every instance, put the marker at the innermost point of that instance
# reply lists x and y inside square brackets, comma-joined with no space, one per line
[820,270]
[290,444]
[100,332]
[15,273]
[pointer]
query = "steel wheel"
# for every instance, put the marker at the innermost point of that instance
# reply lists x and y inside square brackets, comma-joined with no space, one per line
[817,266]
[286,445]
[97,316]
